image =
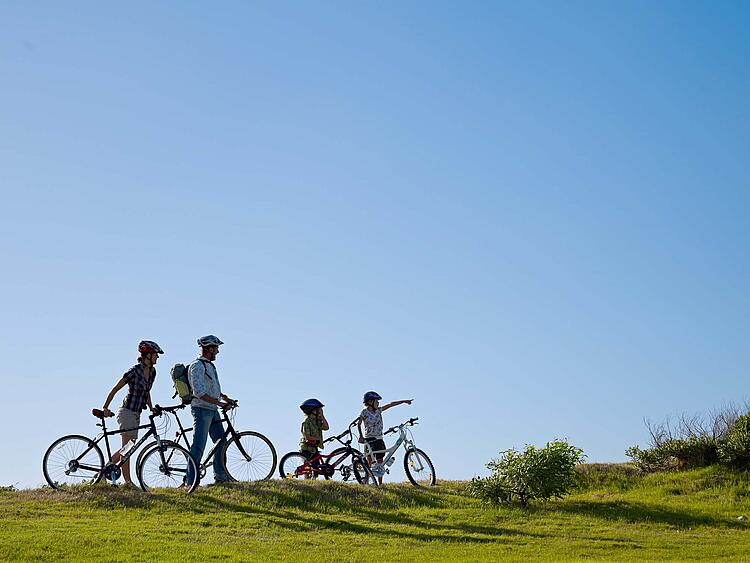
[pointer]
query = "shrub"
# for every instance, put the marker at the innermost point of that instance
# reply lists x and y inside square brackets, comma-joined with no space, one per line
[535,473]
[735,450]
[676,454]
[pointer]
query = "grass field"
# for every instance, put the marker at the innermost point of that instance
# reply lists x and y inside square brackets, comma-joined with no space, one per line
[615,515]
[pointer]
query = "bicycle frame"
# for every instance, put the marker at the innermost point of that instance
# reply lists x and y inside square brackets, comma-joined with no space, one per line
[326,458]
[388,454]
[229,431]
[105,436]
[318,461]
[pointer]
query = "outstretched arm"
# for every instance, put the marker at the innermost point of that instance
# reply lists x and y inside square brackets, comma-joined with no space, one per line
[395,404]
[359,429]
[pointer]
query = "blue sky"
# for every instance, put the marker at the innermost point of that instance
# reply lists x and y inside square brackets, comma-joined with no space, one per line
[530,217]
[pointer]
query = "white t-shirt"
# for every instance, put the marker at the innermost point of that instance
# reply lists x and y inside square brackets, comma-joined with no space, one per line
[373,422]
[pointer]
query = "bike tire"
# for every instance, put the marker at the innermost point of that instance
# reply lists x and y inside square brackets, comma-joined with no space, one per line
[152,473]
[419,478]
[63,451]
[262,454]
[290,464]
[144,450]
[357,468]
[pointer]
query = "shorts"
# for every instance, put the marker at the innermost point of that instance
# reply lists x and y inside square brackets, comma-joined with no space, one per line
[129,419]
[376,445]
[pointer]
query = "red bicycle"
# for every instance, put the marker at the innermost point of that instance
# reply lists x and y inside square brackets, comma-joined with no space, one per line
[344,464]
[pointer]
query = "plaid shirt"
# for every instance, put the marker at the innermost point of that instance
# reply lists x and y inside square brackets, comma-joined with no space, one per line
[138,387]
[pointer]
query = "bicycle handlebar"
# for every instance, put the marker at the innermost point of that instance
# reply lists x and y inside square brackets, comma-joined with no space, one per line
[410,422]
[332,438]
[229,406]
[158,409]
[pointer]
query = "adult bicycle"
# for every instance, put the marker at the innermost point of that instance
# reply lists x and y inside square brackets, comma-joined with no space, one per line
[418,467]
[78,460]
[247,455]
[345,463]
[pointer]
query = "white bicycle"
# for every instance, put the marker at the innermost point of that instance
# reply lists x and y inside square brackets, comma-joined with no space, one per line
[417,465]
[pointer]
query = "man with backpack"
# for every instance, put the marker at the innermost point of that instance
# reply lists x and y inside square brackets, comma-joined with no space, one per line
[207,398]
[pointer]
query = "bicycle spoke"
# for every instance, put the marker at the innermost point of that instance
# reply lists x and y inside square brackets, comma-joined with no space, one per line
[259,463]
[72,460]
[164,467]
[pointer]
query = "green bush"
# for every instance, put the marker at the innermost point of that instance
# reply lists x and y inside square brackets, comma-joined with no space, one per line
[676,454]
[535,473]
[735,450]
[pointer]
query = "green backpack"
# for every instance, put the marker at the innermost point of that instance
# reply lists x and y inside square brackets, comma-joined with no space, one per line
[181,383]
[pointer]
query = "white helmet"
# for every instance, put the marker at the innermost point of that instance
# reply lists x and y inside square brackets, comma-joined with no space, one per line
[209,340]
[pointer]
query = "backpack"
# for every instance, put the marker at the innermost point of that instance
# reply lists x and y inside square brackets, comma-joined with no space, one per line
[181,382]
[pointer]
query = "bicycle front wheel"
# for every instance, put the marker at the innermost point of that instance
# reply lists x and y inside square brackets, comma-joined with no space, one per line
[295,466]
[166,467]
[249,456]
[72,460]
[419,468]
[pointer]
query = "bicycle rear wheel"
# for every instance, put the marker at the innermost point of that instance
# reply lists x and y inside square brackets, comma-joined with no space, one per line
[419,468]
[166,467]
[295,466]
[257,465]
[351,469]
[72,460]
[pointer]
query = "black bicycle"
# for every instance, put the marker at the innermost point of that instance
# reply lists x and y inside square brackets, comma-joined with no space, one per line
[78,460]
[247,455]
[345,463]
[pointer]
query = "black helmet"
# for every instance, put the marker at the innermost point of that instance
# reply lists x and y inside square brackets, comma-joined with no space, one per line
[370,395]
[311,404]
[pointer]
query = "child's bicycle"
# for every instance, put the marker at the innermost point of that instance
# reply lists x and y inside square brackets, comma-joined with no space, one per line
[78,460]
[247,455]
[417,465]
[345,464]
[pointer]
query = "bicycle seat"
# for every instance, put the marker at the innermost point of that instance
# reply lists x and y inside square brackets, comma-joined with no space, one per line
[98,413]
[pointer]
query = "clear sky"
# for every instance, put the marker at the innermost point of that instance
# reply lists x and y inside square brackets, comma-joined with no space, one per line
[531,217]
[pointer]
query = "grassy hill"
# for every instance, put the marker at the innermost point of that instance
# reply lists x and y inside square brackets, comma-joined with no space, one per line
[615,515]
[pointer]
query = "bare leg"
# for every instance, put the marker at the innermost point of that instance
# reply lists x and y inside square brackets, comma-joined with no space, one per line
[126,466]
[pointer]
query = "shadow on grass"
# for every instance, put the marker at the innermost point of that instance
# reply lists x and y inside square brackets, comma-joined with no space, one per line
[378,524]
[638,513]
[329,496]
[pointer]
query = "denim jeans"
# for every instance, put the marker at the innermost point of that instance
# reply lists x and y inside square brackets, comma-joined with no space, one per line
[205,422]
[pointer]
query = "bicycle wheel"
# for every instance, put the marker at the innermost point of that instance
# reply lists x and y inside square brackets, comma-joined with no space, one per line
[294,466]
[72,460]
[350,470]
[166,467]
[260,461]
[419,468]
[144,450]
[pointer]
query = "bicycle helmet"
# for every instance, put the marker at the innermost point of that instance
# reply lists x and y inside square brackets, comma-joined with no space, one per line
[148,346]
[209,340]
[310,404]
[370,395]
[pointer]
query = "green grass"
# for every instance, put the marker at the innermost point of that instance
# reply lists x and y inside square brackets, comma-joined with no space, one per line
[616,515]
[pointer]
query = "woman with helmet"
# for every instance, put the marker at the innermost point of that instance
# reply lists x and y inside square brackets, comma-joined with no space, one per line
[372,418]
[312,428]
[139,379]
